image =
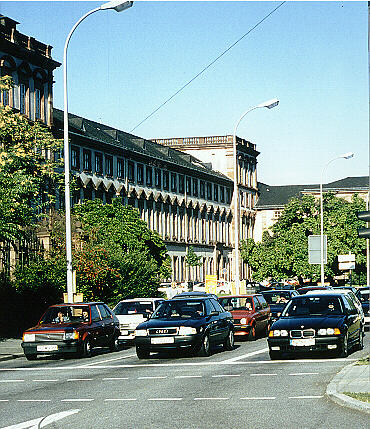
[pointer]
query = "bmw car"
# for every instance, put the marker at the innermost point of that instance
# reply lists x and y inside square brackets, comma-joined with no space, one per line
[190,324]
[317,322]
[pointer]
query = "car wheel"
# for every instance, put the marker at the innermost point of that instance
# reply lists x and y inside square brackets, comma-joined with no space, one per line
[86,348]
[360,341]
[31,356]
[343,350]
[142,353]
[229,342]
[252,333]
[114,345]
[205,348]
[274,355]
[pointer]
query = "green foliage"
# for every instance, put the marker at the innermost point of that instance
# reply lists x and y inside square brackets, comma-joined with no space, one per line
[192,259]
[284,254]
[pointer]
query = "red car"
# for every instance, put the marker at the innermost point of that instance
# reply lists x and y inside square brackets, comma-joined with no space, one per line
[251,314]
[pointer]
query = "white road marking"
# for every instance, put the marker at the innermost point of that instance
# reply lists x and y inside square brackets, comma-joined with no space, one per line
[258,375]
[188,376]
[79,379]
[11,381]
[115,378]
[306,397]
[236,358]
[165,399]
[260,397]
[304,373]
[4,400]
[33,400]
[226,375]
[106,360]
[211,399]
[48,380]
[121,399]
[151,377]
[77,400]
[45,421]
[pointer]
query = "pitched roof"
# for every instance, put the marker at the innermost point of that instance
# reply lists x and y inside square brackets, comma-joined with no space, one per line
[104,134]
[279,196]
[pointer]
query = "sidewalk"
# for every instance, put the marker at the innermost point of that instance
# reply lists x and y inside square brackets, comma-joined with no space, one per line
[352,378]
[10,348]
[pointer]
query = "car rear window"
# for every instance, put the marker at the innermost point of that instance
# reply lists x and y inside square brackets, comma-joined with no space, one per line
[236,303]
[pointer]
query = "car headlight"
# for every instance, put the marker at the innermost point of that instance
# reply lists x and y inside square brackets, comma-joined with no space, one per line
[243,321]
[28,337]
[71,335]
[186,330]
[328,331]
[278,333]
[141,333]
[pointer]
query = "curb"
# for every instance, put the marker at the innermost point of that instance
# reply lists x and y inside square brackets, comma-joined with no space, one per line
[341,398]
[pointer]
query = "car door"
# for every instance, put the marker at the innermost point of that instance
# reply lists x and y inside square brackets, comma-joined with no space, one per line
[223,321]
[212,322]
[107,325]
[353,319]
[96,330]
[265,312]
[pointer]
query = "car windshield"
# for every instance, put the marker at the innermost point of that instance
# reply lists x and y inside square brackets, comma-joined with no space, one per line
[180,309]
[133,307]
[314,306]
[236,303]
[66,314]
[277,297]
[363,296]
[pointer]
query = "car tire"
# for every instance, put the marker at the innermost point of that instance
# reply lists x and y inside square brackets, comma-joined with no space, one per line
[360,341]
[86,348]
[205,348]
[229,342]
[142,353]
[114,345]
[343,349]
[274,355]
[31,356]
[252,333]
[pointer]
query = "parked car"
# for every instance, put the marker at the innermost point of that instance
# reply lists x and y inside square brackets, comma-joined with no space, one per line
[317,322]
[251,314]
[72,328]
[132,312]
[277,300]
[363,296]
[305,289]
[194,324]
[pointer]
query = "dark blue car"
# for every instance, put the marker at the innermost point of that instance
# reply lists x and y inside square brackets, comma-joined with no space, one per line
[363,295]
[277,300]
[317,322]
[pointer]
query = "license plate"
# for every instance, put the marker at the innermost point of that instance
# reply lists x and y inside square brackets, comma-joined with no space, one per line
[163,340]
[124,332]
[48,348]
[303,342]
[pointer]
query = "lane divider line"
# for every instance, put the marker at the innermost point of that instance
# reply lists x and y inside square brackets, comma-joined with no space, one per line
[234,359]
[304,373]
[226,375]
[165,399]
[120,399]
[78,400]
[259,375]
[211,399]
[255,398]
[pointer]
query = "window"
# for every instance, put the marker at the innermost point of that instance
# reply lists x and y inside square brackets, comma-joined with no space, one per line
[131,171]
[181,184]
[38,98]
[95,315]
[166,180]
[195,187]
[202,189]
[173,182]
[228,196]
[109,165]
[262,300]
[75,158]
[104,312]
[215,192]
[149,176]
[209,191]
[120,168]
[98,163]
[188,185]
[257,305]
[157,177]
[222,194]
[87,160]
[23,98]
[140,174]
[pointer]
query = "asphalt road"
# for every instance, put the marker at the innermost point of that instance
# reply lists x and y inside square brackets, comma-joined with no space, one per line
[238,389]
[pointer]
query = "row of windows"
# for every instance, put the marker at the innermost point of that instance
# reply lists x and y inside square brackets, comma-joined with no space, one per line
[149,176]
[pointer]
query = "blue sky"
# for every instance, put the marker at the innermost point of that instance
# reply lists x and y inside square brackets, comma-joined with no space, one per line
[313,56]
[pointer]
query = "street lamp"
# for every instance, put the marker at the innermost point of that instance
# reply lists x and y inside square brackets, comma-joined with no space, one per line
[269,104]
[347,155]
[118,6]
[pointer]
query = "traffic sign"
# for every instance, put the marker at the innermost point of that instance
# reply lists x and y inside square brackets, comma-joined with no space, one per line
[314,249]
[347,258]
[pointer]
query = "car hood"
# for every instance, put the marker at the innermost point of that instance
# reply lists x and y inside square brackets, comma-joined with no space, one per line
[166,323]
[131,318]
[314,322]
[47,327]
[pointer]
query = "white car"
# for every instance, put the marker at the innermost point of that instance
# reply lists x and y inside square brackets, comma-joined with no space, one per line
[132,312]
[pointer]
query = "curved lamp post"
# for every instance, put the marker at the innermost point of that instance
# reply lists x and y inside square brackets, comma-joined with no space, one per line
[118,6]
[347,155]
[269,104]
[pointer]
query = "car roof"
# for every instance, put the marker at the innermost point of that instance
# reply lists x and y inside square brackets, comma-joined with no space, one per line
[318,294]
[194,298]
[277,290]
[64,304]
[140,299]
[242,296]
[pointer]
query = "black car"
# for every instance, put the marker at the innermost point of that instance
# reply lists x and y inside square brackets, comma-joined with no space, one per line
[317,322]
[277,300]
[193,324]
[72,328]
[195,294]
[363,295]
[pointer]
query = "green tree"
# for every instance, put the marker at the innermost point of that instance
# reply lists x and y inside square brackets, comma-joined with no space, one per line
[284,254]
